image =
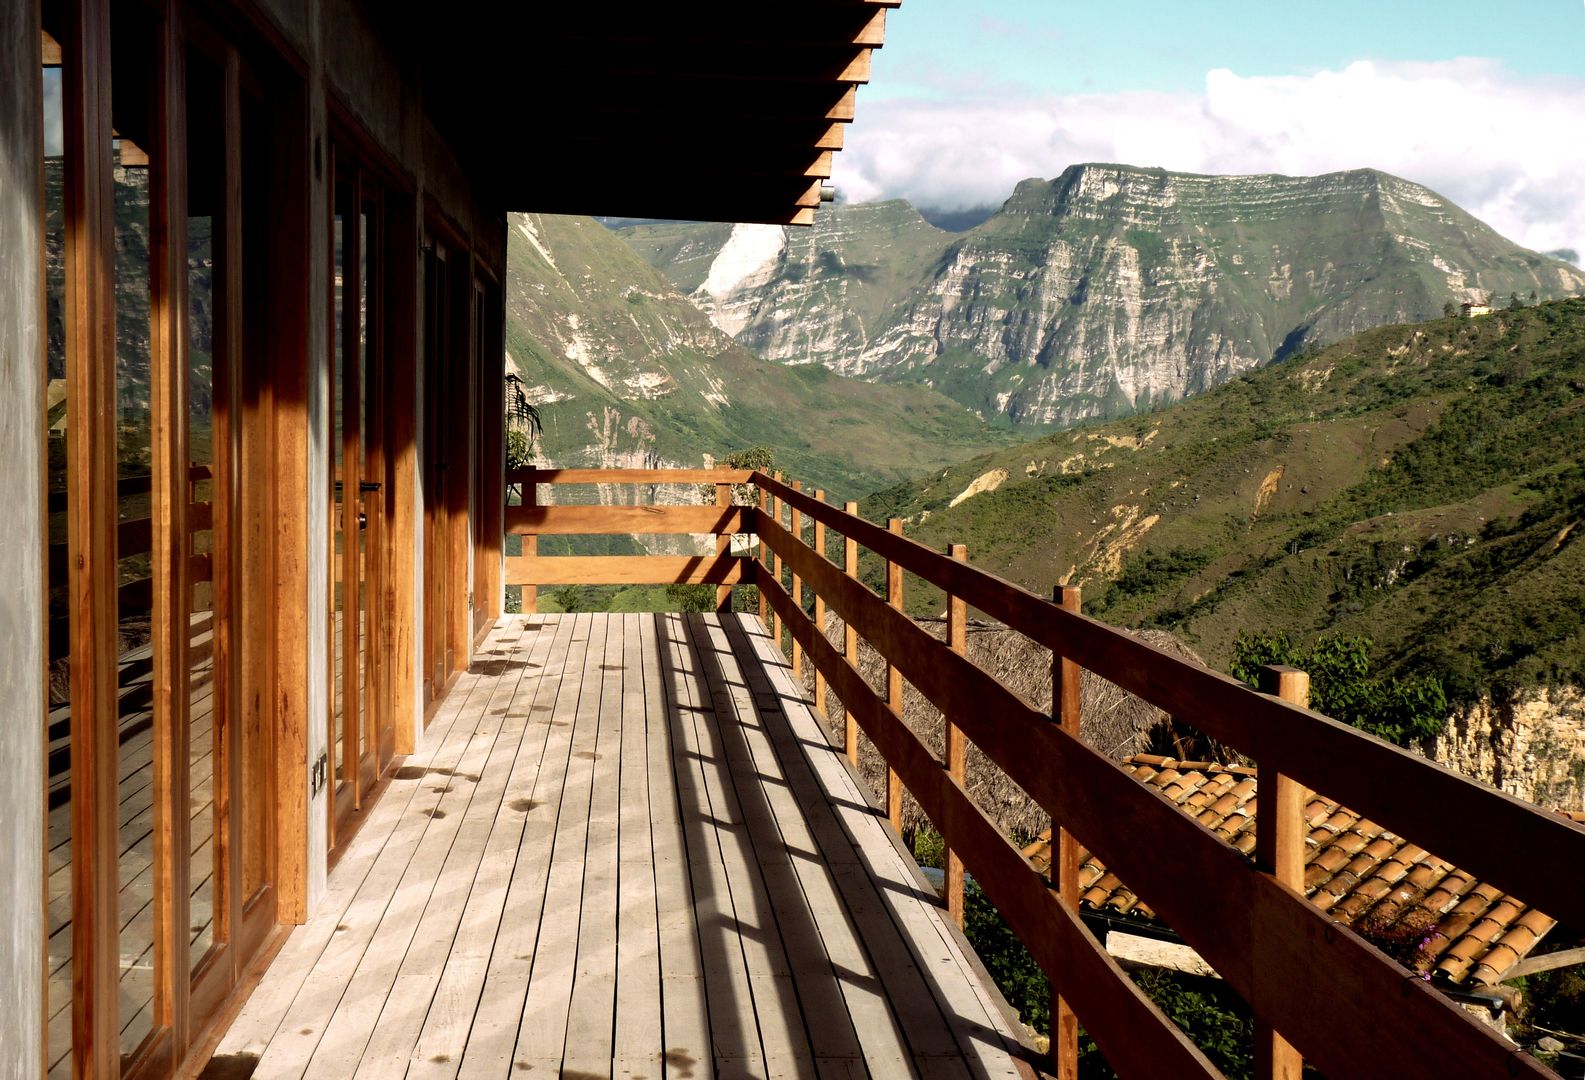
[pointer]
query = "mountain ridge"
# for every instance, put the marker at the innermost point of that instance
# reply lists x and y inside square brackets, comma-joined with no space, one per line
[1102,291]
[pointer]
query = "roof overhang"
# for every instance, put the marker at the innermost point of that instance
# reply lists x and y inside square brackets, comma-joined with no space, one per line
[712,111]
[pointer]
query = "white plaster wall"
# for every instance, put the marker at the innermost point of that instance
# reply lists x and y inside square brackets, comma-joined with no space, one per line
[22,615]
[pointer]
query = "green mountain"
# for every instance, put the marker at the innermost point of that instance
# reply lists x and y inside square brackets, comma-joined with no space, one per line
[1422,485]
[1105,291]
[626,371]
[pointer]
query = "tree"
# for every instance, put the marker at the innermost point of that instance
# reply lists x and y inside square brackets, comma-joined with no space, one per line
[1514,303]
[1401,710]
[1449,310]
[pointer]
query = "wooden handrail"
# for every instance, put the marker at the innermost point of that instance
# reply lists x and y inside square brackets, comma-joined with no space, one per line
[1316,982]
[534,519]
[1309,980]
[1494,835]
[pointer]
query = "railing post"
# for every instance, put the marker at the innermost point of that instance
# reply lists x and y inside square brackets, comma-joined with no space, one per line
[850,637]
[894,683]
[1279,851]
[1064,867]
[775,511]
[797,586]
[723,546]
[820,609]
[953,748]
[530,541]
[764,556]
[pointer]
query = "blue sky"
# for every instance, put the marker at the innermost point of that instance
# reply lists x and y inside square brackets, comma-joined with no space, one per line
[936,48]
[1484,103]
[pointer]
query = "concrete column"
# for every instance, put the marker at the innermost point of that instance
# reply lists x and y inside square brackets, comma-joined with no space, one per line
[23,693]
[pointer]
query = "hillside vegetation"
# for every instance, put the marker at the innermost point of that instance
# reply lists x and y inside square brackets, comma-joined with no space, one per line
[1420,485]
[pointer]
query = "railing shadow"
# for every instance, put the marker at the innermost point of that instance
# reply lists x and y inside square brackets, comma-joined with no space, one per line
[726,676]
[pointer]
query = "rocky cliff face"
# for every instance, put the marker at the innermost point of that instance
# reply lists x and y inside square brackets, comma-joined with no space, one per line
[1107,290]
[1532,746]
[626,371]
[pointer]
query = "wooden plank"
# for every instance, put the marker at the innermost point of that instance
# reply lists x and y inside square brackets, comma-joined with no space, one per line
[638,1042]
[954,750]
[748,842]
[588,1048]
[894,682]
[797,586]
[170,626]
[441,860]
[1130,1030]
[626,570]
[530,549]
[478,862]
[90,249]
[367,871]
[600,520]
[723,544]
[929,985]
[292,1012]
[820,608]
[1393,786]
[685,1012]
[1064,869]
[632,476]
[543,1030]
[438,1053]
[735,1047]
[850,637]
[1281,830]
[499,1009]
[797,893]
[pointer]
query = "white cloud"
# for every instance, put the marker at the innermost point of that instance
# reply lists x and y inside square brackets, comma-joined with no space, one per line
[1506,149]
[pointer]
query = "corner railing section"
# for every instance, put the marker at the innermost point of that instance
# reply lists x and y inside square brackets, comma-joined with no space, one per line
[1314,986]
[531,520]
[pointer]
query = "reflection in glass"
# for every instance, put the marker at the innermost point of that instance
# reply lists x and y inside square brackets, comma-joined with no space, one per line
[58,856]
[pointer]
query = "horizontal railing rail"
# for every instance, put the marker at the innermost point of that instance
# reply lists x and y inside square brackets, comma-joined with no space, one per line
[134,537]
[531,520]
[1314,986]
[1317,984]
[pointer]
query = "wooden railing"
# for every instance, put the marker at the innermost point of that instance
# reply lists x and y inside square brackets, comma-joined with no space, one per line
[1315,987]
[134,536]
[532,520]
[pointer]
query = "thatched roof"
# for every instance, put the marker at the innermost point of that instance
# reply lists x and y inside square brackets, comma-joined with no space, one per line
[1113,721]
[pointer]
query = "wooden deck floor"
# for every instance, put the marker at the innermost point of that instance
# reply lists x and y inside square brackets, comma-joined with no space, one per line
[626,849]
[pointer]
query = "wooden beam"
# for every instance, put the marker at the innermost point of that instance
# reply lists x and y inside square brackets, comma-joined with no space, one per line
[91,535]
[1064,867]
[627,570]
[642,520]
[170,623]
[1547,962]
[894,683]
[631,476]
[723,544]
[953,747]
